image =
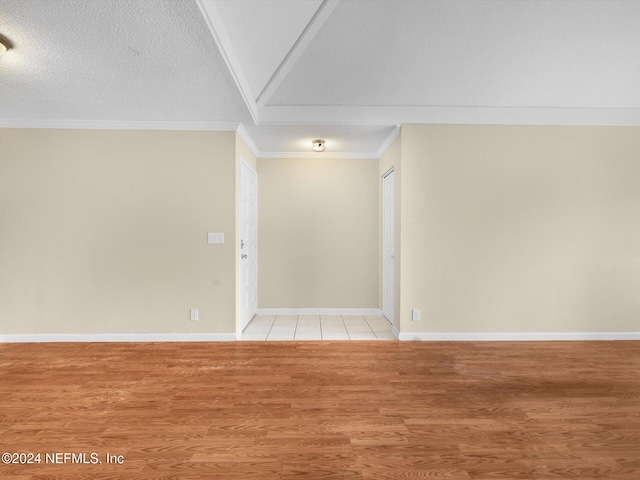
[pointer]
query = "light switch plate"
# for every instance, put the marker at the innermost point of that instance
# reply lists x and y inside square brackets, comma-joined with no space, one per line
[214,238]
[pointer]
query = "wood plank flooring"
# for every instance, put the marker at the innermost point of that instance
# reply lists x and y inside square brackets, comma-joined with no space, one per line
[323,410]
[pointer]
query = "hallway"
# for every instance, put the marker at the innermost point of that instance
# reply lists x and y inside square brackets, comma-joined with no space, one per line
[318,327]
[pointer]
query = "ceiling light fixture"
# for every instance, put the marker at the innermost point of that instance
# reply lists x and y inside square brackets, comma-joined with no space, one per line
[5,44]
[318,145]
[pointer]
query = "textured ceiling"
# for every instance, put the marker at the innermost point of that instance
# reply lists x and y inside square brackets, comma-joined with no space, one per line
[292,70]
[113,61]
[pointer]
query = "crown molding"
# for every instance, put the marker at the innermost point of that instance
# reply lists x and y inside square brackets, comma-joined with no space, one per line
[388,141]
[426,114]
[119,125]
[184,126]
[346,156]
[248,141]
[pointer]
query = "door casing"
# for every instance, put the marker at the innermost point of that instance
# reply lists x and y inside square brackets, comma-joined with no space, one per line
[388,245]
[248,248]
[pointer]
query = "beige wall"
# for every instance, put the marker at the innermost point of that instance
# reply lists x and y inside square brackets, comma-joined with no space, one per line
[499,229]
[520,228]
[318,233]
[391,159]
[105,231]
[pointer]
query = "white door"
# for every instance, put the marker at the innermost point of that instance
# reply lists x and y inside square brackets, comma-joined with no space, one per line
[248,244]
[388,267]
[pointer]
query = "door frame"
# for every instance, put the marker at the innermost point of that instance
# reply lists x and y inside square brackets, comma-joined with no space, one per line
[241,325]
[388,313]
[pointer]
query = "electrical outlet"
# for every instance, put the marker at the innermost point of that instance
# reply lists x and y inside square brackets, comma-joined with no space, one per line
[415,315]
[194,315]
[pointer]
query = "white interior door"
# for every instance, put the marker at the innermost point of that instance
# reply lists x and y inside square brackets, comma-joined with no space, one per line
[388,252]
[248,244]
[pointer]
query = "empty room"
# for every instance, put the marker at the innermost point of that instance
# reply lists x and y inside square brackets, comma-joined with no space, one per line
[321,239]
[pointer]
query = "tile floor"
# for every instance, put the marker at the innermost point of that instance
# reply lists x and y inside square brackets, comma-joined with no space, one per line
[318,327]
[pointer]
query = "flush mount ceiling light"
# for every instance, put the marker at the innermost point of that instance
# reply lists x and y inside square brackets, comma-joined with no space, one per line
[5,44]
[318,145]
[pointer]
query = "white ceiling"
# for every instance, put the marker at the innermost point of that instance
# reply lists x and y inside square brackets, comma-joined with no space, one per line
[289,71]
[113,61]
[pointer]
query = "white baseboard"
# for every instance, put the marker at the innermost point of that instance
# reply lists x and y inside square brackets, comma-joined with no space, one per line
[319,311]
[517,337]
[117,337]
[405,336]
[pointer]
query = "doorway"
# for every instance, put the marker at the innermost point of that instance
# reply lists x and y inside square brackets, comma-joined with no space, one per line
[388,250]
[248,243]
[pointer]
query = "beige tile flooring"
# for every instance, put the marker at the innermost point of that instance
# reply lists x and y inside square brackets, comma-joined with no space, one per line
[318,327]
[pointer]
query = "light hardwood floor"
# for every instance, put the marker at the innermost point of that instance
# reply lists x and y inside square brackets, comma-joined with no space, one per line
[324,410]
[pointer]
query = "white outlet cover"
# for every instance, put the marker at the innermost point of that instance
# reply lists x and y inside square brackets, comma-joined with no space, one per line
[215,238]
[194,315]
